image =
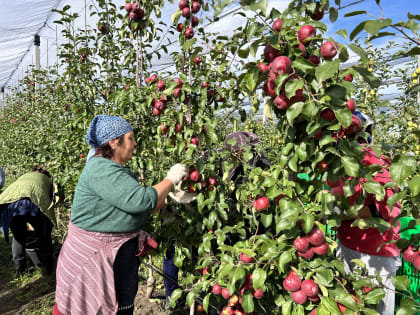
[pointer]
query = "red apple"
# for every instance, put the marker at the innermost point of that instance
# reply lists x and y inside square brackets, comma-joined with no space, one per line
[270,88]
[308,254]
[200,308]
[186,13]
[366,289]
[217,289]
[194,21]
[178,127]
[160,85]
[179,27]
[183,4]
[81,155]
[128,7]
[298,97]
[177,92]
[227,310]
[205,271]
[189,33]
[159,105]
[341,307]
[270,53]
[301,243]
[153,78]
[195,7]
[178,82]
[155,111]
[313,312]
[225,293]
[194,140]
[291,283]
[261,203]
[280,65]
[263,67]
[316,237]
[318,134]
[302,48]
[328,114]
[348,78]
[299,297]
[321,250]
[305,32]
[258,294]
[277,25]
[195,176]
[282,102]
[163,128]
[233,300]
[191,188]
[212,181]
[133,15]
[197,60]
[351,105]
[243,257]
[328,50]
[354,127]
[314,59]
[318,14]
[309,287]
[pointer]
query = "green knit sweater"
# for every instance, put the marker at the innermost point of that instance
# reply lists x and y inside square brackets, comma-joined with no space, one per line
[108,198]
[36,187]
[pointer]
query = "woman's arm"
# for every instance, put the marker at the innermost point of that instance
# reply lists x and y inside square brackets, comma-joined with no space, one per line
[162,189]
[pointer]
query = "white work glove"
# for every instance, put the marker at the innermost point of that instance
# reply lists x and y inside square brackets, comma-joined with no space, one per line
[177,173]
[180,196]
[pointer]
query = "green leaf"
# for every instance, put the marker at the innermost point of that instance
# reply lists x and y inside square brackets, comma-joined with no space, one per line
[326,70]
[292,86]
[373,26]
[190,298]
[258,278]
[285,258]
[244,52]
[357,30]
[375,188]
[407,307]
[360,51]
[343,33]
[414,185]
[248,301]
[251,79]
[337,94]
[354,13]
[266,219]
[374,296]
[206,301]
[174,297]
[401,282]
[333,14]
[373,81]
[302,64]
[351,167]
[343,116]
[259,5]
[294,111]
[401,168]
[308,222]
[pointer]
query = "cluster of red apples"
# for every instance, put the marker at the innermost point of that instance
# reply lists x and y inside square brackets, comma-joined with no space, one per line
[301,290]
[312,243]
[278,64]
[188,11]
[134,11]
[234,304]
[195,177]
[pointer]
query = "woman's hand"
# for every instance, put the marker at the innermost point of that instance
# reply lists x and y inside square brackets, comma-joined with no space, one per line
[180,196]
[177,173]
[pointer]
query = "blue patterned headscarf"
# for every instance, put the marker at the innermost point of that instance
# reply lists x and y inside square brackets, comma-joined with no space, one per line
[104,128]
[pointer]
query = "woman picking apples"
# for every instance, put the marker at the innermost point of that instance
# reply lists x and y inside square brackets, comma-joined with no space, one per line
[365,244]
[97,270]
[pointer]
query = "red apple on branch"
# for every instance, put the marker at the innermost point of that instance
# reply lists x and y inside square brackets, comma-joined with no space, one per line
[328,50]
[261,203]
[299,297]
[305,32]
[309,287]
[351,105]
[277,25]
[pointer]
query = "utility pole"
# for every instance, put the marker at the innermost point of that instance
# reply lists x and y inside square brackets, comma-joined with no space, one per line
[37,43]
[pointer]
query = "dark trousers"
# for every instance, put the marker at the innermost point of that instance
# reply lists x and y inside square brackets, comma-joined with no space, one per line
[126,277]
[42,231]
[171,271]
